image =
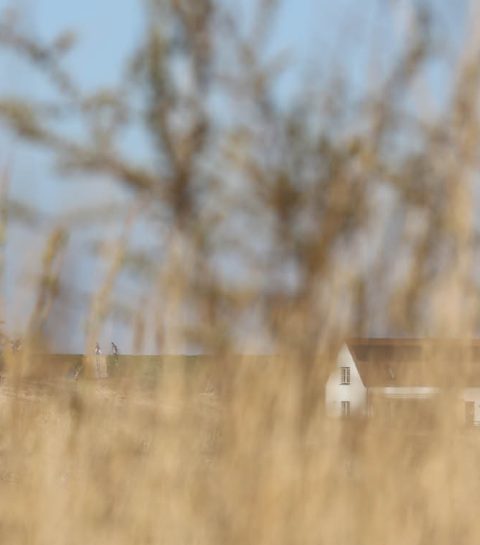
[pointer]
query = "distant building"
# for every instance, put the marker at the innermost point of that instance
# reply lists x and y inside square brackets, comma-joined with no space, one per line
[381,377]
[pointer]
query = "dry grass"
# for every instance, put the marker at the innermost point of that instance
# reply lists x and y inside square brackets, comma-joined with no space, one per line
[123,462]
[336,216]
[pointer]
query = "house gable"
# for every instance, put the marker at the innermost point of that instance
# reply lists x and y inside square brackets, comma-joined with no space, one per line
[342,395]
[408,369]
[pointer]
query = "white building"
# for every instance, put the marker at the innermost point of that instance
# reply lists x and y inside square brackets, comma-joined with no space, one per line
[379,377]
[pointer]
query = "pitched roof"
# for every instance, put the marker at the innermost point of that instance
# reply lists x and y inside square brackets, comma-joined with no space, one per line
[417,362]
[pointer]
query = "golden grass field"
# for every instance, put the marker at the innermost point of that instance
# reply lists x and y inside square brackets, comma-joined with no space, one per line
[203,456]
[240,221]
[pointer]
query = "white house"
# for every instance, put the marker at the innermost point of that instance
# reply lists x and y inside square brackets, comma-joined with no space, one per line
[345,392]
[379,376]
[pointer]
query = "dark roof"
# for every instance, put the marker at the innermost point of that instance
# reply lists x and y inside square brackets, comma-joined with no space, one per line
[417,362]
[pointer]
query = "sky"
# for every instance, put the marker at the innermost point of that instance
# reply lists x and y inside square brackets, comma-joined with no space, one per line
[103,42]
[311,30]
[97,59]
[315,32]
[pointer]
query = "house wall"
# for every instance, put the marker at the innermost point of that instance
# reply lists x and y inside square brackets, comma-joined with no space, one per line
[355,392]
[405,392]
[473,394]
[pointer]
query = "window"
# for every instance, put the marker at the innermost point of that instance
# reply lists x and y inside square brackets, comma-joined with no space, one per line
[345,375]
[345,409]
[469,413]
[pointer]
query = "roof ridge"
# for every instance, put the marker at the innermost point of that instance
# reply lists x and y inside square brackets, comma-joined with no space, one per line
[411,341]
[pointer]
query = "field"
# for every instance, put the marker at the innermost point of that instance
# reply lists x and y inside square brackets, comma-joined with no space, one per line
[203,456]
[195,187]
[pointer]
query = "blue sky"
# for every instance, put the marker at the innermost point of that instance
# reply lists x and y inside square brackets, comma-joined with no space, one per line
[318,33]
[104,39]
[103,42]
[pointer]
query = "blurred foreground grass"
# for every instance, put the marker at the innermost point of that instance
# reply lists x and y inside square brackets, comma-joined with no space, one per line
[289,224]
[205,456]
